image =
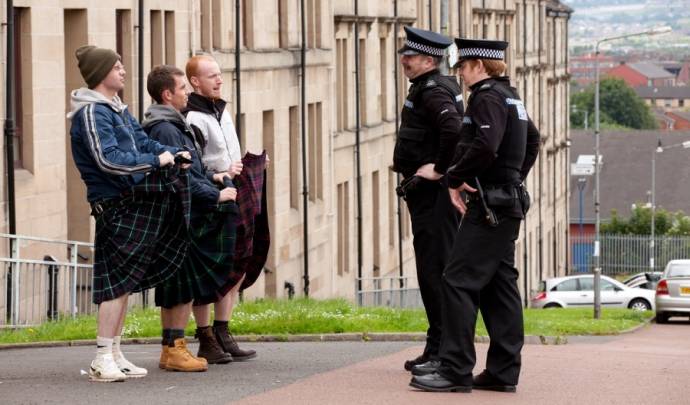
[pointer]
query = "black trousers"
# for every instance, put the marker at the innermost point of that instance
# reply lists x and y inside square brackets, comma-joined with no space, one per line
[434,225]
[481,274]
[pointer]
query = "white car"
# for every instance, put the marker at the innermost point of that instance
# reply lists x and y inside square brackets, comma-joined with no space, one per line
[578,291]
[673,291]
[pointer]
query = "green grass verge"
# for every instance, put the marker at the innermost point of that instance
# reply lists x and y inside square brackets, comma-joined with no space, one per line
[302,316]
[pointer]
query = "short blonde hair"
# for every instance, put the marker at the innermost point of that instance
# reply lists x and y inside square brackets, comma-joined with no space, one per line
[493,67]
[192,67]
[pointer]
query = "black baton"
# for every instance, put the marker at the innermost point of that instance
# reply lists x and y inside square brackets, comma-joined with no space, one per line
[490,215]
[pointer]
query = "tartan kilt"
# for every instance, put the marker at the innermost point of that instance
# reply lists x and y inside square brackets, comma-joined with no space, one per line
[142,240]
[253,265]
[208,265]
[251,258]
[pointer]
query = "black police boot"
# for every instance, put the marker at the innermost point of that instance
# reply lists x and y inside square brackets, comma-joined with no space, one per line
[429,367]
[418,360]
[486,381]
[437,383]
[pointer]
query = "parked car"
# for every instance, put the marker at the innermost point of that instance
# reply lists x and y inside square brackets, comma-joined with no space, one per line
[673,291]
[578,291]
[646,280]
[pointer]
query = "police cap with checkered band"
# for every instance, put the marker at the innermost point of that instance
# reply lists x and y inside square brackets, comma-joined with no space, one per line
[423,42]
[480,49]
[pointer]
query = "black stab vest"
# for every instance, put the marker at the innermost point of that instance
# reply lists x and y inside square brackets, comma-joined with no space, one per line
[418,142]
[505,169]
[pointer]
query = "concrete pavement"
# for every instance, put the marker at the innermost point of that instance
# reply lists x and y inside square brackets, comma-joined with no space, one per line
[649,366]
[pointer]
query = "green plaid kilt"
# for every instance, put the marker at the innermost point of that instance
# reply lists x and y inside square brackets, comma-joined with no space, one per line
[141,240]
[208,265]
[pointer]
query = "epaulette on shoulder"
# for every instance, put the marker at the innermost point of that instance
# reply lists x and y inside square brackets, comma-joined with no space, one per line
[486,86]
[430,83]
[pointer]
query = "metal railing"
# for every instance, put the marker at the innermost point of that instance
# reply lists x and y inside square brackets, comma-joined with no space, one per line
[399,292]
[46,280]
[626,254]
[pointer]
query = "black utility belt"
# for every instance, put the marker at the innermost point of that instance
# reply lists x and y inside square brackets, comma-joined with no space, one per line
[501,195]
[99,207]
[413,183]
[504,196]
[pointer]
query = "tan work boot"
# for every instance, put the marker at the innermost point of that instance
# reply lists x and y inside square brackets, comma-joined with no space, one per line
[181,359]
[164,356]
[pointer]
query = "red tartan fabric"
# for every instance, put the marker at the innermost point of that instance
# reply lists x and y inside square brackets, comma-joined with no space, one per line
[250,186]
[253,233]
[251,266]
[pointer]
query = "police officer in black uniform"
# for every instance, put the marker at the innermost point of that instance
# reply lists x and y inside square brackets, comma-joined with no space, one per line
[429,132]
[498,146]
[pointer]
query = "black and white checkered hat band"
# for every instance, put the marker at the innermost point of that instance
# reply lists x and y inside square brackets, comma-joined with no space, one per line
[430,50]
[481,53]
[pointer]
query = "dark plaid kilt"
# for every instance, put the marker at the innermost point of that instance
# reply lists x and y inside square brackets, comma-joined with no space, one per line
[253,265]
[142,239]
[208,265]
[251,189]
[253,236]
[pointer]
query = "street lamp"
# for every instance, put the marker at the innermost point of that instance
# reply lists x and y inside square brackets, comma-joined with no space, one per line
[597,238]
[581,183]
[659,149]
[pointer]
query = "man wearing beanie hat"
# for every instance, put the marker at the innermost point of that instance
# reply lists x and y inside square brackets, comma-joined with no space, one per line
[95,63]
[429,130]
[498,146]
[139,198]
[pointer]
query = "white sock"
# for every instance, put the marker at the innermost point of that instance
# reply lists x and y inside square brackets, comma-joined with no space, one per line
[117,353]
[104,346]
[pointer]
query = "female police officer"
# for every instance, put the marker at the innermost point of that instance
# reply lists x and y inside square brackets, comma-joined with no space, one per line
[498,146]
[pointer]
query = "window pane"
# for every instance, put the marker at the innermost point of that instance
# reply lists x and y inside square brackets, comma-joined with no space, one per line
[587,284]
[568,285]
[679,271]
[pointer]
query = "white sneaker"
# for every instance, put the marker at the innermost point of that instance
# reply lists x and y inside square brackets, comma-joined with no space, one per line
[104,369]
[129,369]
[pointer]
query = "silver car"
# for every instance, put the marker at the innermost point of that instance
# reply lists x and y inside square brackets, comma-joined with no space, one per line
[646,280]
[673,291]
[578,291]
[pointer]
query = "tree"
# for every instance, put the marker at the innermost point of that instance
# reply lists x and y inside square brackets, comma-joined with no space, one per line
[626,241]
[619,106]
[640,221]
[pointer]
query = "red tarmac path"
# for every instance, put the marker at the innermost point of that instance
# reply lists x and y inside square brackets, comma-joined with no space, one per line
[650,366]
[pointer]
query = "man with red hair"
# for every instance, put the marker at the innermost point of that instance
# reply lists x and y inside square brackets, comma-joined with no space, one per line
[207,116]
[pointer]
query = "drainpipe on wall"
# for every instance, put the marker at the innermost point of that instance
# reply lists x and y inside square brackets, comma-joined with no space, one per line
[541,156]
[554,231]
[506,37]
[192,27]
[9,145]
[238,93]
[396,74]
[483,19]
[357,152]
[305,189]
[140,109]
[141,61]
[524,84]
[566,163]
